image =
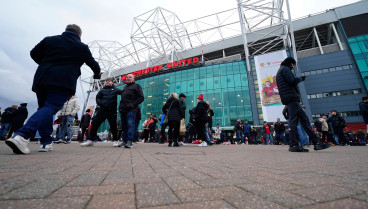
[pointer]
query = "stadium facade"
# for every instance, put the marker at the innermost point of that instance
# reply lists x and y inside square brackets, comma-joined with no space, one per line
[331,48]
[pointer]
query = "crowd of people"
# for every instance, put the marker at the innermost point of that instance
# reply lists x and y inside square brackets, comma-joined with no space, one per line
[62,56]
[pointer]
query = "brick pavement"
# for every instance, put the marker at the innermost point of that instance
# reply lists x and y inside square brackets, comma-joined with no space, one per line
[156,176]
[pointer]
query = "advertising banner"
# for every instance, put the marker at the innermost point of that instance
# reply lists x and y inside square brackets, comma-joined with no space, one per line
[267,66]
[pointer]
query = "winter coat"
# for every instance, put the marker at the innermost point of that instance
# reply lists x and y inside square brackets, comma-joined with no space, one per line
[85,120]
[138,117]
[246,128]
[337,122]
[324,124]
[287,85]
[201,112]
[8,115]
[59,59]
[106,98]
[20,115]
[175,112]
[279,127]
[210,114]
[71,107]
[364,111]
[131,97]
[238,126]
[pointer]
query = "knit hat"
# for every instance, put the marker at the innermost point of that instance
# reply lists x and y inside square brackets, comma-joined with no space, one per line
[200,97]
[182,95]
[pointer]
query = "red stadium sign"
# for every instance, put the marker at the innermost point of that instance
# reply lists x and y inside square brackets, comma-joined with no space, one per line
[160,67]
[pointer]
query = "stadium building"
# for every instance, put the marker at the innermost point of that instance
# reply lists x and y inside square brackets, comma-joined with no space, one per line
[230,57]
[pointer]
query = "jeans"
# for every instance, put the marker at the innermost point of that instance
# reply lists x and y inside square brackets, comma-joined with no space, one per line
[268,139]
[207,133]
[66,125]
[303,137]
[135,138]
[128,125]
[239,135]
[297,115]
[4,130]
[246,135]
[280,137]
[49,102]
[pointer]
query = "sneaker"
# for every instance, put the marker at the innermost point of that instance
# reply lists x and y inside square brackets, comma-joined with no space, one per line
[18,144]
[122,144]
[176,144]
[321,146]
[297,149]
[46,148]
[181,143]
[128,144]
[116,143]
[87,143]
[210,143]
[58,141]
[203,144]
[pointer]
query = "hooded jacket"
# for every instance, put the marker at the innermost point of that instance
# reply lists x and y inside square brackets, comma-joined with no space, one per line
[201,111]
[71,107]
[287,84]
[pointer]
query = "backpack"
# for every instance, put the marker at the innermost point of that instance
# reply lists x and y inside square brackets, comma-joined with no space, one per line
[318,125]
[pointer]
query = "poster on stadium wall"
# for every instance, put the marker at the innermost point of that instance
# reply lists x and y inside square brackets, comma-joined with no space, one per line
[91,102]
[267,66]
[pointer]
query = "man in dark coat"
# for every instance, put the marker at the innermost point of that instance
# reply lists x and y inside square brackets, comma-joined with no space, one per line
[6,120]
[363,107]
[84,124]
[59,59]
[287,84]
[131,97]
[20,115]
[279,128]
[106,98]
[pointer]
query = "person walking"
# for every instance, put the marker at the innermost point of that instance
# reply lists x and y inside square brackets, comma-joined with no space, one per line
[280,130]
[246,132]
[20,115]
[59,58]
[174,111]
[6,119]
[238,130]
[338,125]
[182,101]
[131,97]
[267,133]
[288,89]
[84,124]
[152,128]
[106,99]
[67,114]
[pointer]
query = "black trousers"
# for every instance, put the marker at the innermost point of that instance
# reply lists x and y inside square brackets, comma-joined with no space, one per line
[201,130]
[152,131]
[163,138]
[297,114]
[84,131]
[340,134]
[100,117]
[173,131]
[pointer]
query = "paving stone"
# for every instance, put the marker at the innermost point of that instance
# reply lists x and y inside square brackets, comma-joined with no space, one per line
[203,205]
[112,201]
[181,183]
[60,203]
[94,190]
[327,192]
[341,204]
[153,194]
[89,178]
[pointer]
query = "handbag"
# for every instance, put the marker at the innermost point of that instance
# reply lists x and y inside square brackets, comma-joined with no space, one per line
[182,129]
[166,119]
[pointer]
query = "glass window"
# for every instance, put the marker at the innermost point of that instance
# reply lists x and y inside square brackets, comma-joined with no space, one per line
[237,80]
[355,48]
[313,96]
[351,40]
[313,72]
[209,83]
[230,81]
[202,84]
[332,69]
[216,83]
[307,73]
[325,70]
[223,82]
[363,46]
[319,71]
[338,68]
[319,96]
[362,65]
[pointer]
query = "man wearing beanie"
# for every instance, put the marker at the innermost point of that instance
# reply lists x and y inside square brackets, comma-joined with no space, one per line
[200,120]
[288,89]
[107,100]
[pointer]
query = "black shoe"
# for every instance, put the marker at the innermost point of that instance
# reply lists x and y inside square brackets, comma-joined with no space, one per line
[122,144]
[176,144]
[321,146]
[128,144]
[298,149]
[210,143]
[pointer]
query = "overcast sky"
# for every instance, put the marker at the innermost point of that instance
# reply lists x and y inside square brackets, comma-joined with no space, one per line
[23,23]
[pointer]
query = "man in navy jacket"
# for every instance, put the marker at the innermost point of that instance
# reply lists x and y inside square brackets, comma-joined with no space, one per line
[59,59]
